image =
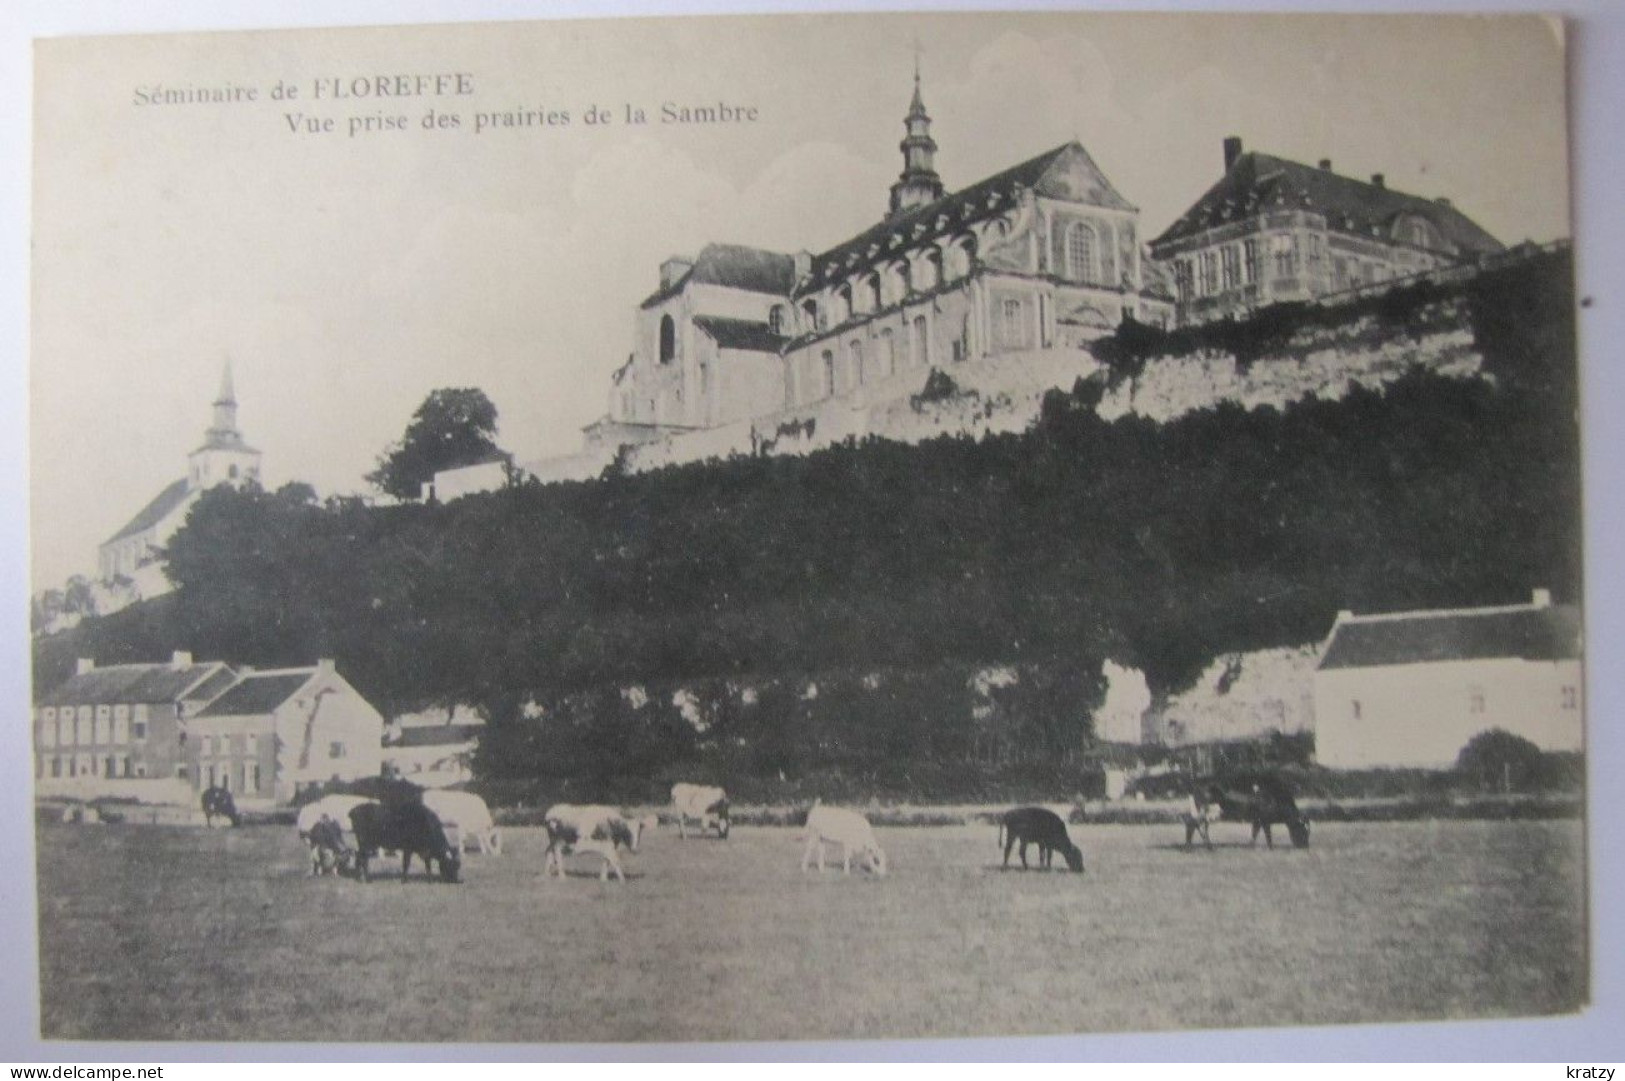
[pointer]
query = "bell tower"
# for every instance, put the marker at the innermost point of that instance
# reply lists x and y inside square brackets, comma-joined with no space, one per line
[919,183]
[224,458]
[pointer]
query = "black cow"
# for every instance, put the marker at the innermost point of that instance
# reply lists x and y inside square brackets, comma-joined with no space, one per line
[1265,806]
[408,828]
[217,803]
[1035,825]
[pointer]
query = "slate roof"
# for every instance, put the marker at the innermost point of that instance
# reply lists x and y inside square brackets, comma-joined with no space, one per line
[736,267]
[436,735]
[257,693]
[154,512]
[1547,633]
[954,211]
[138,683]
[740,334]
[1258,182]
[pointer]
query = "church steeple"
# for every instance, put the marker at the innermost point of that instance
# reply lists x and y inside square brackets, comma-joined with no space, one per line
[919,183]
[224,457]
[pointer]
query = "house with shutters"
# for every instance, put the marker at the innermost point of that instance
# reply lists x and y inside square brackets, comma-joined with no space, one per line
[1411,688]
[277,731]
[105,729]
[1272,230]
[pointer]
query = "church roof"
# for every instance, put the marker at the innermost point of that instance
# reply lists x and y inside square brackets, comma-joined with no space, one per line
[982,200]
[1531,633]
[1261,181]
[740,334]
[154,512]
[734,266]
[138,683]
[259,693]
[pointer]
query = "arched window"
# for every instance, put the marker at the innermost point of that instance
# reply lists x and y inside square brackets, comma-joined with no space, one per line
[931,270]
[668,340]
[829,374]
[918,347]
[1080,253]
[809,312]
[775,319]
[872,287]
[856,351]
[845,293]
[888,354]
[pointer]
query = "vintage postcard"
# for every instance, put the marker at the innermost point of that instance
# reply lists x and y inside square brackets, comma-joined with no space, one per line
[805,528]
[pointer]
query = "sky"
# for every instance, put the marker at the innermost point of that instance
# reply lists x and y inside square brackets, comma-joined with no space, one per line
[344,278]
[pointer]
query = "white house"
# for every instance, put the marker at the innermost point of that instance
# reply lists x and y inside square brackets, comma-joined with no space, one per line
[1411,688]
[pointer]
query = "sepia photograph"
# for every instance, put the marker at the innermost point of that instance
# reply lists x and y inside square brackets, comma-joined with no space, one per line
[805,527]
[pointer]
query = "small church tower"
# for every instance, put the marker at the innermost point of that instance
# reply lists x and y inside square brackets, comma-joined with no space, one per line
[919,183]
[223,458]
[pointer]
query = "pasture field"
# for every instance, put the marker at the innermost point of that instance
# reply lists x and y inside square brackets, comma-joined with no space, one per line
[153,933]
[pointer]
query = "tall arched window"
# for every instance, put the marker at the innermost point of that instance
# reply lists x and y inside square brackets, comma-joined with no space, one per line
[888,354]
[1080,253]
[775,319]
[871,287]
[829,374]
[855,349]
[668,340]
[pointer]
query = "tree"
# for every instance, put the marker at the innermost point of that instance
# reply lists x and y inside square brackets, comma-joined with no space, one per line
[1497,759]
[453,427]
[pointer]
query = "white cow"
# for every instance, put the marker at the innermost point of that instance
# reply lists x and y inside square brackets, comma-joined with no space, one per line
[706,804]
[338,808]
[850,830]
[469,814]
[589,829]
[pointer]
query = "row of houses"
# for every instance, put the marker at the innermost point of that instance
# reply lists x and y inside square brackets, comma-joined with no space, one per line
[171,730]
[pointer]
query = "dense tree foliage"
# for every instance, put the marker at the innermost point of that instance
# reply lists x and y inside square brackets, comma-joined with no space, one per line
[453,427]
[842,611]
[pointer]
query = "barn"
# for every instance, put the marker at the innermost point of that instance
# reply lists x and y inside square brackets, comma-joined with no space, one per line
[1411,688]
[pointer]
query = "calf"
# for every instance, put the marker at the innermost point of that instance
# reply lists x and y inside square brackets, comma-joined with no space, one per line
[1035,825]
[706,804]
[328,851]
[850,830]
[409,828]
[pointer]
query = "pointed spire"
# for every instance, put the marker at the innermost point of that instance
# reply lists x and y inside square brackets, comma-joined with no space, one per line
[228,393]
[917,106]
[918,184]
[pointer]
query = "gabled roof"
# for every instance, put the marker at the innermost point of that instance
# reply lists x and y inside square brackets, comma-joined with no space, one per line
[259,693]
[139,683]
[436,735]
[982,200]
[154,512]
[1258,182]
[740,334]
[734,266]
[1526,632]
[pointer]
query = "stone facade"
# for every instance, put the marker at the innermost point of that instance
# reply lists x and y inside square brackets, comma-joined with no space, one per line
[1274,230]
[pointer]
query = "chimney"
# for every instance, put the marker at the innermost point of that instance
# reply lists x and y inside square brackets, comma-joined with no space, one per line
[1378,180]
[245,669]
[1344,615]
[1542,598]
[803,264]
[326,667]
[673,269]
[84,665]
[1232,151]
[180,659]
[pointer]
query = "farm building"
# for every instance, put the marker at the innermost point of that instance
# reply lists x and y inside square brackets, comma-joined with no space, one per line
[273,732]
[1411,688]
[119,730]
[1241,696]
[434,748]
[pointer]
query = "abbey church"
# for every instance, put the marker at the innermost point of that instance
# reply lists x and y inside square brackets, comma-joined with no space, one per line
[1046,254]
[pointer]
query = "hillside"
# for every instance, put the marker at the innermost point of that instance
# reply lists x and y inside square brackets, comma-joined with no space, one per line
[926,618]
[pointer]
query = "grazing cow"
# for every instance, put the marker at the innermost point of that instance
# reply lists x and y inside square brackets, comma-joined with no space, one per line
[1266,805]
[409,828]
[217,803]
[592,829]
[850,830]
[1035,825]
[707,804]
[328,850]
[469,814]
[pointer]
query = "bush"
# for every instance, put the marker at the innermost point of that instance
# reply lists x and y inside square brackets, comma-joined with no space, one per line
[1498,761]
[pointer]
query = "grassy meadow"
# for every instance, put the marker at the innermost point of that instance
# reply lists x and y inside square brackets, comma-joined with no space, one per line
[154,933]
